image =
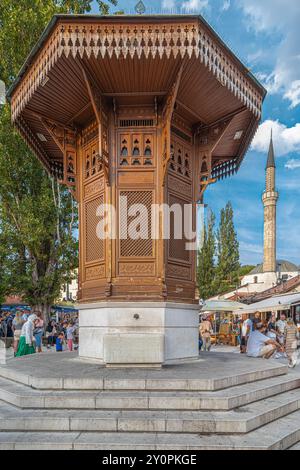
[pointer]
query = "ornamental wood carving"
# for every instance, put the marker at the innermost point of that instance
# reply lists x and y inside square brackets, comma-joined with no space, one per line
[136,269]
[137,135]
[179,272]
[148,40]
[208,137]
[96,101]
[65,138]
[95,272]
[166,123]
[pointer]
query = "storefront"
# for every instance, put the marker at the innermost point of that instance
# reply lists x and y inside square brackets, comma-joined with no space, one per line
[289,304]
[224,316]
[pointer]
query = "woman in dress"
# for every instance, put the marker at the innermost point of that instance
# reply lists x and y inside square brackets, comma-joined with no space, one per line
[26,345]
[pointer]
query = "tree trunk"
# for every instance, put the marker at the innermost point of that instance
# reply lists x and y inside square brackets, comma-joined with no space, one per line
[45,310]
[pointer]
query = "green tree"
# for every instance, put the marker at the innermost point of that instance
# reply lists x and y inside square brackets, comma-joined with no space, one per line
[206,261]
[37,217]
[245,270]
[22,23]
[37,223]
[228,265]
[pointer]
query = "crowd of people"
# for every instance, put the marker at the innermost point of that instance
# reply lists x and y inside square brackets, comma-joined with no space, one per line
[258,338]
[28,332]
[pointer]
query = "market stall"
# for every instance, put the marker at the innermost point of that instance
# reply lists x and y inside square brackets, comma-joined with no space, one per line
[224,316]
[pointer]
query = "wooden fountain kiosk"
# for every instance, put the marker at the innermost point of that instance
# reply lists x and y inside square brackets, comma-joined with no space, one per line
[151,108]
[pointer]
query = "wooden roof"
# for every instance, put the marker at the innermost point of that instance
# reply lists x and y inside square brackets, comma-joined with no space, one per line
[134,59]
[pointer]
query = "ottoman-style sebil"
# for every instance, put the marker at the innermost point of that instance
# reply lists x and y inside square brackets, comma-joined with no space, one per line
[150,110]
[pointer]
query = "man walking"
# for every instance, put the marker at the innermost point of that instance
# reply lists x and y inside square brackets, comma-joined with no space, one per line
[205,332]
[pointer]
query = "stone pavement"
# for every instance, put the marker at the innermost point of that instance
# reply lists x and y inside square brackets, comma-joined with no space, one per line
[222,401]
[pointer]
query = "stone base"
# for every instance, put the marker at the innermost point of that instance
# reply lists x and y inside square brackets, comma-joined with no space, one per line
[6,353]
[142,334]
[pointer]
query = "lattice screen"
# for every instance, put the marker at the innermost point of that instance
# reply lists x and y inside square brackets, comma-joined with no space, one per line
[140,247]
[94,246]
[177,247]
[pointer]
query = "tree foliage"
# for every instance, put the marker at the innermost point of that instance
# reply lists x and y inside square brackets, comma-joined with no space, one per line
[245,270]
[219,268]
[206,261]
[37,223]
[38,219]
[228,265]
[22,23]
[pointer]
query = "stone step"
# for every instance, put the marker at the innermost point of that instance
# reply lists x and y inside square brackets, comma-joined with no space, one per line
[240,420]
[295,447]
[278,435]
[67,372]
[25,397]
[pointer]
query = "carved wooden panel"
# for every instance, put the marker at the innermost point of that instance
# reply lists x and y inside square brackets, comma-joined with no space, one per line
[179,272]
[177,247]
[136,149]
[135,178]
[89,133]
[180,161]
[136,269]
[94,247]
[94,187]
[95,272]
[143,246]
[177,185]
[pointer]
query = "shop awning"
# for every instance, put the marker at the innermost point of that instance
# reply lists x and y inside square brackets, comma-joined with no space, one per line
[228,306]
[274,304]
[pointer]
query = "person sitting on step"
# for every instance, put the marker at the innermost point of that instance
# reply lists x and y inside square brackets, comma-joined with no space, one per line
[259,345]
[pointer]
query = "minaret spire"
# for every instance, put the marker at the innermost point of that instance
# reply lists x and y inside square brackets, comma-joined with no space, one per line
[270,198]
[271,155]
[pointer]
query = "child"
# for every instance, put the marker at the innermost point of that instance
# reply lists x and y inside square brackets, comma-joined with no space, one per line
[59,342]
[70,330]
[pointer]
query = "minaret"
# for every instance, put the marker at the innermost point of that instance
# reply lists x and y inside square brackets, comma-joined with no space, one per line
[270,198]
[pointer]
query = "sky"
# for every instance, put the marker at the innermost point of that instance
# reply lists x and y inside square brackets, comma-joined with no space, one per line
[264,34]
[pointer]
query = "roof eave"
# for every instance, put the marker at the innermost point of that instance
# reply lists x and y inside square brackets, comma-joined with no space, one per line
[47,31]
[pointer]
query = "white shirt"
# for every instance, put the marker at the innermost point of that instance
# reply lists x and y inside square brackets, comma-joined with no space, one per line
[27,331]
[246,324]
[281,324]
[256,342]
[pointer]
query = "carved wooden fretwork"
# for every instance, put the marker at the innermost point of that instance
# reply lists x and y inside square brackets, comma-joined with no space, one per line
[138,40]
[208,137]
[224,169]
[166,123]
[180,161]
[136,149]
[32,142]
[65,139]
[96,102]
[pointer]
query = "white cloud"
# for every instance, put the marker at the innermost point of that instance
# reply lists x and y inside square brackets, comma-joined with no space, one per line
[191,5]
[286,139]
[293,94]
[293,164]
[276,16]
[168,4]
[226,5]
